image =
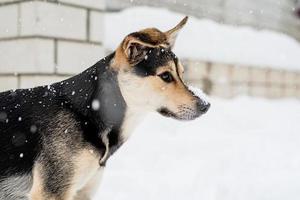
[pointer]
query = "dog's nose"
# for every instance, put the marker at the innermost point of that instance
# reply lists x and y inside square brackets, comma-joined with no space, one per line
[203,107]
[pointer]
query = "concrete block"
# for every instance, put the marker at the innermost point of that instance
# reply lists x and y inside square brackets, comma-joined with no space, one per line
[258,91]
[8,21]
[290,78]
[275,91]
[290,91]
[52,20]
[75,57]
[240,74]
[258,75]
[275,77]
[297,78]
[27,56]
[240,89]
[222,90]
[96,26]
[220,73]
[29,81]
[195,70]
[8,83]
[96,4]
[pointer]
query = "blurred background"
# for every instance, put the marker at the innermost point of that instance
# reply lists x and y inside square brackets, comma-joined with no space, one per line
[245,54]
[235,47]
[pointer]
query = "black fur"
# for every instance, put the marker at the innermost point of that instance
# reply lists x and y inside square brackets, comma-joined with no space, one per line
[155,57]
[31,119]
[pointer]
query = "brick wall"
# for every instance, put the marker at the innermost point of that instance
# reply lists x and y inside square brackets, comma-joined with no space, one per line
[225,80]
[46,41]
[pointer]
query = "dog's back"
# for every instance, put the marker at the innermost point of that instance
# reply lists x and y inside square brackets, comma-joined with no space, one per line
[19,141]
[21,112]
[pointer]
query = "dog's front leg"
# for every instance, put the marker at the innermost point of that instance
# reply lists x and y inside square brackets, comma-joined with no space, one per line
[48,186]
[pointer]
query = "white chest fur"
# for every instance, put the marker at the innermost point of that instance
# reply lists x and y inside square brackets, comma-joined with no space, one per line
[87,165]
[132,118]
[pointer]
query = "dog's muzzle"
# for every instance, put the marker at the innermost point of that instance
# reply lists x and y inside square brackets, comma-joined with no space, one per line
[202,106]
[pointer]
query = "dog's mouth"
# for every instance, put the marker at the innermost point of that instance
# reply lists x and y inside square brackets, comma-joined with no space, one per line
[167,113]
[184,115]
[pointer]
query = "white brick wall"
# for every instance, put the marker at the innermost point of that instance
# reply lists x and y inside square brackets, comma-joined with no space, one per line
[96,26]
[8,82]
[52,20]
[75,57]
[240,74]
[38,80]
[42,35]
[27,56]
[8,21]
[196,70]
[97,4]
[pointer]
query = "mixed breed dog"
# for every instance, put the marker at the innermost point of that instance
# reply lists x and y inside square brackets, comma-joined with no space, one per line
[55,140]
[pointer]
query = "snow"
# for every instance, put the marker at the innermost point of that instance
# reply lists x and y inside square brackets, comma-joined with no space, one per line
[246,148]
[207,40]
[95,104]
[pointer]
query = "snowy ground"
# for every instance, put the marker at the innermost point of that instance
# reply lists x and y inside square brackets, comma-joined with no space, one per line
[207,40]
[241,149]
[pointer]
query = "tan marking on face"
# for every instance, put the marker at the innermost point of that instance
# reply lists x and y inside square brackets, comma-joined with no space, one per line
[151,93]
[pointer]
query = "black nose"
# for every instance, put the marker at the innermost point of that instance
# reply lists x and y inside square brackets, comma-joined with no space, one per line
[203,107]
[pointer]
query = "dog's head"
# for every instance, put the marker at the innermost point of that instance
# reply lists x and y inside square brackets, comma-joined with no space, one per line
[151,76]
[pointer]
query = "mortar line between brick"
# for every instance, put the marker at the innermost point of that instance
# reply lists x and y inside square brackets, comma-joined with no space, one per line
[57,3]
[18,81]
[74,5]
[55,56]
[51,38]
[88,25]
[10,3]
[35,74]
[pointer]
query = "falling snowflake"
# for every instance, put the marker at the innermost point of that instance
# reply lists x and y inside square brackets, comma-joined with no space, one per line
[95,104]
[33,128]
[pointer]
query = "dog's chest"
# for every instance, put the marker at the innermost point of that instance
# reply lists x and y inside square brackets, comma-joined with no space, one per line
[86,166]
[132,118]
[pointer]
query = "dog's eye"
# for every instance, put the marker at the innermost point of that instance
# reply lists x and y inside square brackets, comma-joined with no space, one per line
[166,76]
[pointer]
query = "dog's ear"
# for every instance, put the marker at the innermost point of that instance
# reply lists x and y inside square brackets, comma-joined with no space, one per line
[172,34]
[134,49]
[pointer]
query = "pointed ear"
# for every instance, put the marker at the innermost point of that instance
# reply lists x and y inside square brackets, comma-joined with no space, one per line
[134,49]
[172,34]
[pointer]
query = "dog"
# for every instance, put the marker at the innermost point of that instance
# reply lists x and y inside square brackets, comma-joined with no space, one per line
[55,139]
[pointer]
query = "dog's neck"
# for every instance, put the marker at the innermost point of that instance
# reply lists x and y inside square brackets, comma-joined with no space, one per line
[99,84]
[131,120]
